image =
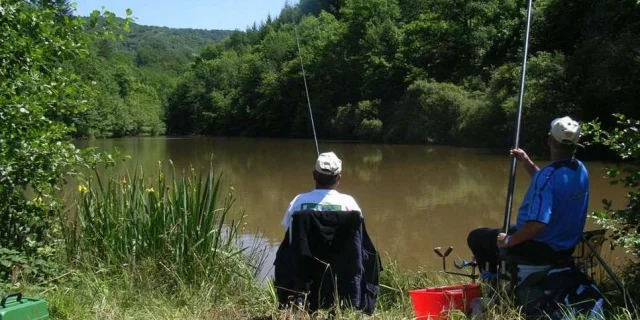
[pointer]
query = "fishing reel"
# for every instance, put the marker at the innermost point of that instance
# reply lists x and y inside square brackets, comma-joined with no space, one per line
[459,265]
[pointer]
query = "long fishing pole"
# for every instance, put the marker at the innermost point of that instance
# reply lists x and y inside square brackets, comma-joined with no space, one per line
[514,160]
[306,89]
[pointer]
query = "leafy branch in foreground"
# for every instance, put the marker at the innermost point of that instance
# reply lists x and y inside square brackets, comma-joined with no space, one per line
[624,140]
[39,94]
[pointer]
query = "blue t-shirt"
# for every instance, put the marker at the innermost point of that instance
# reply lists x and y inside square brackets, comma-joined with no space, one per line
[558,196]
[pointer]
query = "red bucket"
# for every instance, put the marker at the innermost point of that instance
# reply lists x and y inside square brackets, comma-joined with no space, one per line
[435,303]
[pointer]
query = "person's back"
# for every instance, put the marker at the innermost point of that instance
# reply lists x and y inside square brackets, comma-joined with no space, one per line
[566,184]
[328,228]
[324,197]
[320,200]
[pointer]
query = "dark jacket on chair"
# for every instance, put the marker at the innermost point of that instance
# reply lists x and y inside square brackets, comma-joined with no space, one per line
[327,248]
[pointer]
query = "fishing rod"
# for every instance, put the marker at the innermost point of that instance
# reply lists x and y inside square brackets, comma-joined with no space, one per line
[514,160]
[306,89]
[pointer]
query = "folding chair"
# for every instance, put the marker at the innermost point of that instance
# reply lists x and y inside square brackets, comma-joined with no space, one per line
[325,253]
[584,258]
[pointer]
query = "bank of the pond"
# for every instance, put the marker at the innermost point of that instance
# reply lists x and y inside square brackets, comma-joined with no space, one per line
[141,293]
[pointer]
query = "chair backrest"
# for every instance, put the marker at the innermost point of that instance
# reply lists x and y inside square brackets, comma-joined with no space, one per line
[328,246]
[330,228]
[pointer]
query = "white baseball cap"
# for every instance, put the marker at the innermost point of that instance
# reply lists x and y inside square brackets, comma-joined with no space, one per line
[328,163]
[566,131]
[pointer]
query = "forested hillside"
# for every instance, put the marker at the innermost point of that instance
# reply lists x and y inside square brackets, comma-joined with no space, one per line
[415,71]
[419,71]
[133,76]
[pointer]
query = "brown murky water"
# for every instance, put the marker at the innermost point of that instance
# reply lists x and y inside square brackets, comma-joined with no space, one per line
[413,197]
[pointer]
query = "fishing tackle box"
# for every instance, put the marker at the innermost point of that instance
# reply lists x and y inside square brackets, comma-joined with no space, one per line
[15,307]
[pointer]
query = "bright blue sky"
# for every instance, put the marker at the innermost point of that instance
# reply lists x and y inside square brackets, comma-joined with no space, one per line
[198,14]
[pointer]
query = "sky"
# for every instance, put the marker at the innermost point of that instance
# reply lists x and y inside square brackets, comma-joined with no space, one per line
[197,14]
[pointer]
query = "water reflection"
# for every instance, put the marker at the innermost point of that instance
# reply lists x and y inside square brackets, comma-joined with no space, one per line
[413,197]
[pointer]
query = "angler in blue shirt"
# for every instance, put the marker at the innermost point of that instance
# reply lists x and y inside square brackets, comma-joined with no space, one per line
[553,213]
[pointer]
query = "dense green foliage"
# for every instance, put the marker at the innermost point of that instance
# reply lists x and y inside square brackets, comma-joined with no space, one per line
[64,76]
[133,76]
[622,220]
[167,47]
[38,96]
[425,71]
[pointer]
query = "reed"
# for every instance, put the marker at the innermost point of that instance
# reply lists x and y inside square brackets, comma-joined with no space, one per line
[183,224]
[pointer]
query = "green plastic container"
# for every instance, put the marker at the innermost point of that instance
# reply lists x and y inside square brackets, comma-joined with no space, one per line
[15,307]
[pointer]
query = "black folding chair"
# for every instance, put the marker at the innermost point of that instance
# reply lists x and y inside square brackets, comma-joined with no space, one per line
[317,267]
[584,257]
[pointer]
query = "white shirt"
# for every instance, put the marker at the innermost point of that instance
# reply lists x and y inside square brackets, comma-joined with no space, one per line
[320,200]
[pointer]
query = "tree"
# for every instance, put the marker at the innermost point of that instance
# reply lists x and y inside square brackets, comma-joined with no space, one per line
[314,7]
[453,39]
[359,122]
[430,112]
[39,93]
[545,98]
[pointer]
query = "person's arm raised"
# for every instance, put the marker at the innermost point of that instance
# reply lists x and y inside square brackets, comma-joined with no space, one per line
[528,164]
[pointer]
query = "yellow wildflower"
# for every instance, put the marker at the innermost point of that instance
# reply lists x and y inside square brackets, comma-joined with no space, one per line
[150,190]
[82,189]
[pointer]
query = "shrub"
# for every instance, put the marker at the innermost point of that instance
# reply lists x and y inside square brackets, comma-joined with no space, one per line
[430,112]
[624,140]
[38,97]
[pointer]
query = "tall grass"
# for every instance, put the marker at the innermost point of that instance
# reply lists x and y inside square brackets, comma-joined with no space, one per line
[183,225]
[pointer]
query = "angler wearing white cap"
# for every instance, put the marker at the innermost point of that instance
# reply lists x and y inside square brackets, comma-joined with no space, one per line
[324,197]
[553,213]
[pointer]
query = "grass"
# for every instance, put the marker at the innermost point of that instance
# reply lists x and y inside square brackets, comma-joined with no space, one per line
[141,293]
[157,248]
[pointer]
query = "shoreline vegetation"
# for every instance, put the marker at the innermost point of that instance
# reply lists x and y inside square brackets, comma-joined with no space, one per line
[142,246]
[136,246]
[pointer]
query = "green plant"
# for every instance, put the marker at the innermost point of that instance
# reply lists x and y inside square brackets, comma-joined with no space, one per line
[623,221]
[182,223]
[16,266]
[431,112]
[624,140]
[39,94]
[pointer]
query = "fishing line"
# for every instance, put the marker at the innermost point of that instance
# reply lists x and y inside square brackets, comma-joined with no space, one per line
[306,89]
